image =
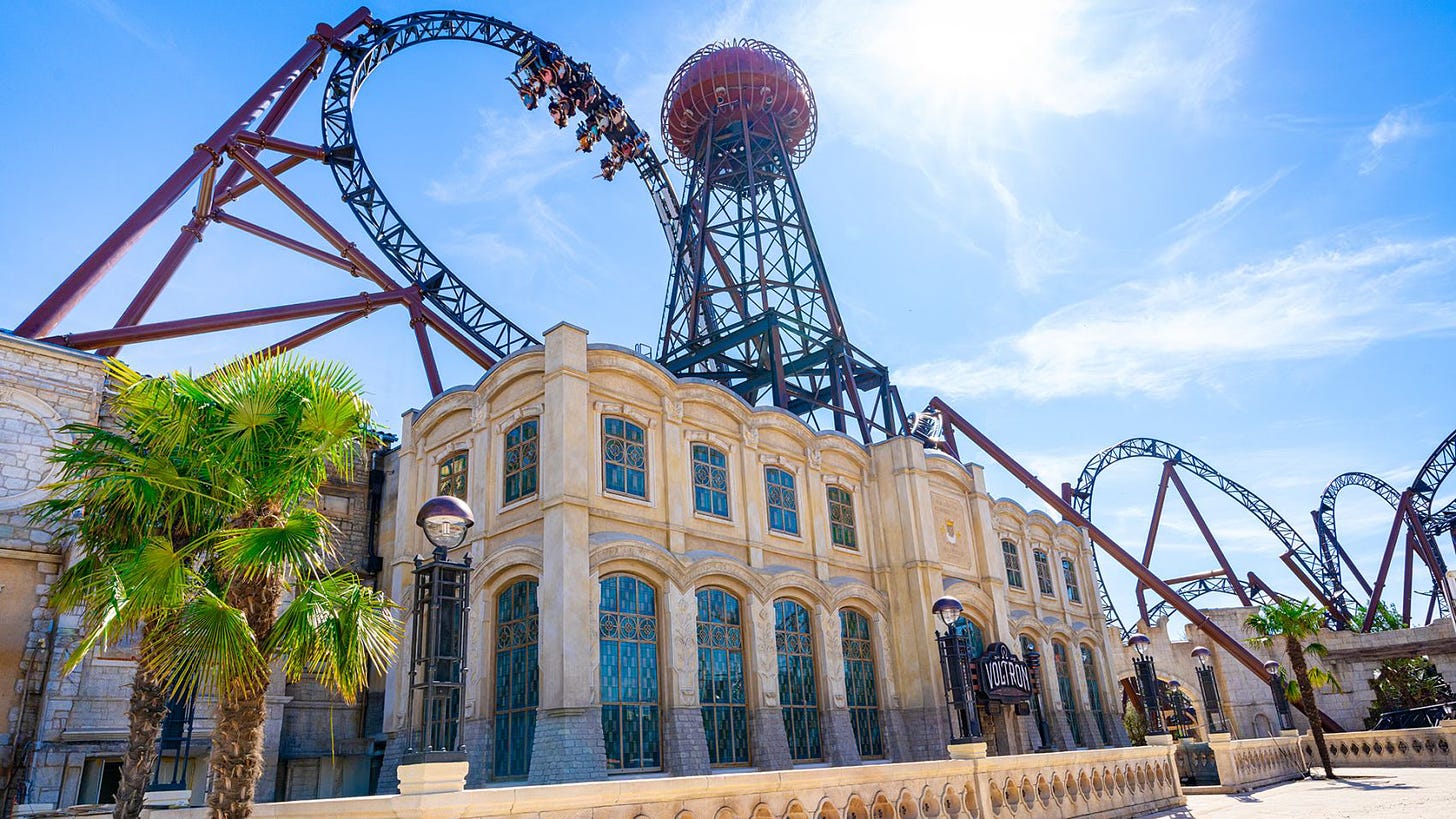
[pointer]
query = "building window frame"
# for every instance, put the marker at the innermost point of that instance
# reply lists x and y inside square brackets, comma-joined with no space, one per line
[630,673]
[1069,579]
[520,462]
[722,676]
[1066,692]
[452,475]
[842,530]
[517,678]
[1094,692]
[710,481]
[1043,565]
[624,457]
[1011,555]
[861,683]
[781,497]
[798,680]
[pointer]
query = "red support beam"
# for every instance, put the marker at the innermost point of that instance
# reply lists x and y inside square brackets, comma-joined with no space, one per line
[283,146]
[1142,599]
[230,321]
[228,195]
[64,298]
[321,329]
[427,355]
[1314,589]
[1111,547]
[1400,517]
[455,337]
[1208,537]
[285,241]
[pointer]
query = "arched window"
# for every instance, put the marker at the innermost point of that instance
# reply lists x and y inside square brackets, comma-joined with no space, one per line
[517,627]
[1094,693]
[859,683]
[783,500]
[453,474]
[630,709]
[624,457]
[519,475]
[1013,564]
[841,518]
[710,481]
[721,687]
[1043,574]
[1028,645]
[798,689]
[1069,576]
[1064,688]
[973,635]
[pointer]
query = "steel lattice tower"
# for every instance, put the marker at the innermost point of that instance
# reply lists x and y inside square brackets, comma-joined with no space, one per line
[749,305]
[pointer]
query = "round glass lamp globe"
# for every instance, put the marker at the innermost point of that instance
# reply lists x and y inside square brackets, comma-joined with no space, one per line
[445,520]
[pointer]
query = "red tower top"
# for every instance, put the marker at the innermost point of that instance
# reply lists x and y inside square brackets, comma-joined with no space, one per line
[742,78]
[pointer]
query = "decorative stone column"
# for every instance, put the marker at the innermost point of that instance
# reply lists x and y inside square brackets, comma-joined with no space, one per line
[768,741]
[684,743]
[840,746]
[568,743]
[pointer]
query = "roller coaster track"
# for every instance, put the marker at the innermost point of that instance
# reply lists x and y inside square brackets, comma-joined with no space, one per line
[1324,516]
[1321,572]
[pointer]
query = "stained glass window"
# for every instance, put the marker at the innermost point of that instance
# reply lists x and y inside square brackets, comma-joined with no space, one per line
[1069,575]
[1094,693]
[453,473]
[710,481]
[972,634]
[783,502]
[1028,645]
[1064,688]
[1013,564]
[517,627]
[859,683]
[841,518]
[798,691]
[630,711]
[721,687]
[1043,573]
[520,461]
[624,457]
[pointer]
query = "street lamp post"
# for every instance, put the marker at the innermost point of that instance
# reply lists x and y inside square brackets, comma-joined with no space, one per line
[434,719]
[1032,657]
[1208,686]
[1147,677]
[1281,702]
[957,674]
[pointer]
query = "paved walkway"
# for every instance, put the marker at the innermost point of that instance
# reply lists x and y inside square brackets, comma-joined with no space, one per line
[1358,793]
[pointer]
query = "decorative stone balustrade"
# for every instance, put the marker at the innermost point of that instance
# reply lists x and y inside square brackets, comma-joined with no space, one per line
[1403,748]
[1245,764]
[1107,783]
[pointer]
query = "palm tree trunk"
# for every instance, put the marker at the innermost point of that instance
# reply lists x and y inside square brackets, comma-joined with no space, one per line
[145,713]
[1307,703]
[237,739]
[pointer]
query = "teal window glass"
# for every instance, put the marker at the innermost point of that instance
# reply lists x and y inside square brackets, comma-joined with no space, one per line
[1043,573]
[798,692]
[522,454]
[721,686]
[1094,693]
[1013,564]
[1069,576]
[624,457]
[710,481]
[631,723]
[517,679]
[972,634]
[783,501]
[1028,645]
[454,474]
[1064,688]
[859,683]
[841,518]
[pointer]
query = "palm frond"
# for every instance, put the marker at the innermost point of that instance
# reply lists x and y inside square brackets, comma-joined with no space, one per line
[301,544]
[337,630]
[206,646]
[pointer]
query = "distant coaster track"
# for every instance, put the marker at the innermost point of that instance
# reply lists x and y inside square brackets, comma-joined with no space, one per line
[364,195]
[1319,568]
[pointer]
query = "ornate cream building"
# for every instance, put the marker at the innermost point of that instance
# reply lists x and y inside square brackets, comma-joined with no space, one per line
[667,579]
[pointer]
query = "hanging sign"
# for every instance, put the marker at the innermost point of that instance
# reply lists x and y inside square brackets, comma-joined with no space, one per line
[1002,676]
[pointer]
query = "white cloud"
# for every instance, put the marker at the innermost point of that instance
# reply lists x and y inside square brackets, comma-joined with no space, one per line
[1199,226]
[509,156]
[1156,337]
[1395,126]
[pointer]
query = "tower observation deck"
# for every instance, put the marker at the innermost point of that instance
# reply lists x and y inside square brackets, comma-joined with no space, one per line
[749,304]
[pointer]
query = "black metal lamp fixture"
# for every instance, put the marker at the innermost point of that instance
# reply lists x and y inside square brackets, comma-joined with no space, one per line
[957,672]
[1281,702]
[1032,658]
[434,720]
[1208,686]
[1147,676]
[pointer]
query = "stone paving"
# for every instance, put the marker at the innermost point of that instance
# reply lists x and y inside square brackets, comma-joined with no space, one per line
[1358,792]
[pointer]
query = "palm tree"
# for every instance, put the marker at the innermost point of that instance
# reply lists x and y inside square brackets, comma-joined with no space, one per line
[198,524]
[1294,622]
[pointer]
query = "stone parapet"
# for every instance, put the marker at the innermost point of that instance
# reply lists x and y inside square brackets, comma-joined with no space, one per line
[1245,764]
[1403,748]
[1112,782]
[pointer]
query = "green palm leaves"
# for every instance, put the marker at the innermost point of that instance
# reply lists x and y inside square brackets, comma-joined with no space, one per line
[1293,623]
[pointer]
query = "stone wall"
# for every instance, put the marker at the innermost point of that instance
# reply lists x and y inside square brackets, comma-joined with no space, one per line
[1406,748]
[1115,782]
[1245,764]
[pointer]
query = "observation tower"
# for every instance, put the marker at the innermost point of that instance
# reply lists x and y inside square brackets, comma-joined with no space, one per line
[749,305]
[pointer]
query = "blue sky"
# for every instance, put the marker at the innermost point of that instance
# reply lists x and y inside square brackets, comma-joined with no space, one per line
[1229,226]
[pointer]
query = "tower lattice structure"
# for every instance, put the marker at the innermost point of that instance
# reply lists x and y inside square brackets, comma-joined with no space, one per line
[750,305]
